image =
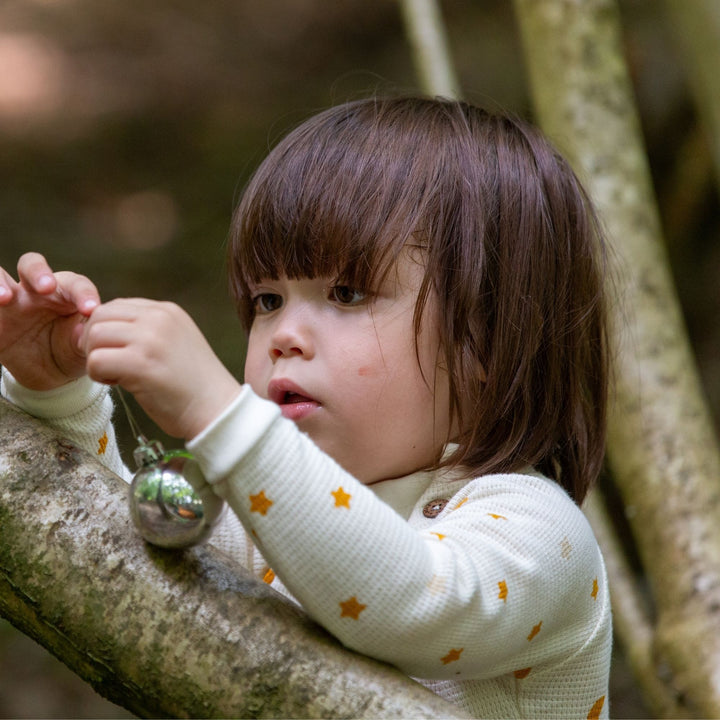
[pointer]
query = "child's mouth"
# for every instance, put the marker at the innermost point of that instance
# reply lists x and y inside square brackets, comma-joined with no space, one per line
[294,403]
[296,407]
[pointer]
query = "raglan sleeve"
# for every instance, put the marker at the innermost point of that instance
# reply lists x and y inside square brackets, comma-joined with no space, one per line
[501,581]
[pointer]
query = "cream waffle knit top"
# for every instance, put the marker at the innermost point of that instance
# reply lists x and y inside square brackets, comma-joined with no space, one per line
[491,592]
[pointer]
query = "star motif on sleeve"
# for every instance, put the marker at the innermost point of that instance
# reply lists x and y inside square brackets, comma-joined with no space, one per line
[440,536]
[452,656]
[495,516]
[260,503]
[102,444]
[502,595]
[342,499]
[351,608]
[436,585]
[565,548]
[534,631]
[596,709]
[595,590]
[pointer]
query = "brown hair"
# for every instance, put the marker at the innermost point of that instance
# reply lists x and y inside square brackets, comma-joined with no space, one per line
[514,255]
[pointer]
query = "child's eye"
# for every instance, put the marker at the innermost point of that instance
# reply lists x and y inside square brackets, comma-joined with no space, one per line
[346,295]
[267,302]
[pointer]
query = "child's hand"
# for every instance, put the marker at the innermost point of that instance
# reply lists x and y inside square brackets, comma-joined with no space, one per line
[41,319]
[155,351]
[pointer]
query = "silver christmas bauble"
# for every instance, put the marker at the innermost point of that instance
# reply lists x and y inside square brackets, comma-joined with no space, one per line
[164,506]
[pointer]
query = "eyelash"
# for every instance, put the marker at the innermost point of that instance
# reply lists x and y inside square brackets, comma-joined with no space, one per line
[358,298]
[333,292]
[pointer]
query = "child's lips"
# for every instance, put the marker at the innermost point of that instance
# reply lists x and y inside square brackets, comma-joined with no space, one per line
[294,402]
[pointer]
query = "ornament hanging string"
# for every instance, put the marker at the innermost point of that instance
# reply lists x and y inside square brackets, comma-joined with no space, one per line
[134,427]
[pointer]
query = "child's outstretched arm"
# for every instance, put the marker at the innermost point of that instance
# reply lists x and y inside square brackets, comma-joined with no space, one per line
[507,577]
[41,319]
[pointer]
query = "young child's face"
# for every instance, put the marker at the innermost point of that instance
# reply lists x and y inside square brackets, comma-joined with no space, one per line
[343,366]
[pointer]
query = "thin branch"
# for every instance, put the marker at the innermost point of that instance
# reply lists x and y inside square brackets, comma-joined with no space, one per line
[426,34]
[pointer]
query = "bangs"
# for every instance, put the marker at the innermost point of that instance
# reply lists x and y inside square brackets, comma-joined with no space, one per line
[338,197]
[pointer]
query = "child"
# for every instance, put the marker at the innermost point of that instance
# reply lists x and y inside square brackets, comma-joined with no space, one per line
[424,403]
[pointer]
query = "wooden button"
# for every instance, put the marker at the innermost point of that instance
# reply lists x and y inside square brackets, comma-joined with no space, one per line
[434,507]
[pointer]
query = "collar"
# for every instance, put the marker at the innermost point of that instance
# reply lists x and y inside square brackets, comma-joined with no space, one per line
[403,493]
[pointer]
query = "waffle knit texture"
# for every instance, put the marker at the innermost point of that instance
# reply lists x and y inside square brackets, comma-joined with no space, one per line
[491,592]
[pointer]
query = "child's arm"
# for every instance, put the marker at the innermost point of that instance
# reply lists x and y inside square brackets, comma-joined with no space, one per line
[507,578]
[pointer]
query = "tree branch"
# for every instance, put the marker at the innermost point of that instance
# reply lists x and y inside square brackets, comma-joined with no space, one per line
[426,34]
[163,633]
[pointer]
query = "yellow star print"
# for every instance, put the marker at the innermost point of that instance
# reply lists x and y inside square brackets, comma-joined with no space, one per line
[502,595]
[351,608]
[495,516]
[595,589]
[102,443]
[534,631]
[342,499]
[596,709]
[452,656]
[440,536]
[259,503]
[269,576]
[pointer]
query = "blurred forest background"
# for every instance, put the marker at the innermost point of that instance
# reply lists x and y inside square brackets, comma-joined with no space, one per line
[127,131]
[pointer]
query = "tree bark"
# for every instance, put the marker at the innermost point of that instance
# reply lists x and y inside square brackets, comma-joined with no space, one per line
[662,447]
[164,633]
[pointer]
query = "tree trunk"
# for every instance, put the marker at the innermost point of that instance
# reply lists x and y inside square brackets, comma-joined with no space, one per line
[662,448]
[163,633]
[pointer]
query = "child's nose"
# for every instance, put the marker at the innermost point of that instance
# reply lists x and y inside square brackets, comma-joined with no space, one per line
[291,339]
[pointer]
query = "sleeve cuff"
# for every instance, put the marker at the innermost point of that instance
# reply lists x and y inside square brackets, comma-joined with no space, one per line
[223,443]
[66,400]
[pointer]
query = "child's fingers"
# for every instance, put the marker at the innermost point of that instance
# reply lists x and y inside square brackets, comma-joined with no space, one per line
[69,288]
[79,291]
[118,323]
[7,287]
[35,273]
